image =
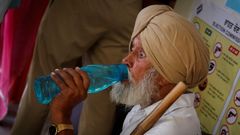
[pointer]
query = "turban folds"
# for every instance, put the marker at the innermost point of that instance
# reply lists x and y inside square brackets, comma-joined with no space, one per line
[173,45]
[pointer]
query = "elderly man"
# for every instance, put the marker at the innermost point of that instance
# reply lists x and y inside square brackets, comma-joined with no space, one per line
[164,50]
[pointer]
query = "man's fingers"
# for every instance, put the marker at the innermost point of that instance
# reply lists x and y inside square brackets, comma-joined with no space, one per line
[85,77]
[58,81]
[76,77]
[68,79]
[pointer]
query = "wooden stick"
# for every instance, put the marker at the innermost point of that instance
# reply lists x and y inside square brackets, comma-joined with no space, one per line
[154,116]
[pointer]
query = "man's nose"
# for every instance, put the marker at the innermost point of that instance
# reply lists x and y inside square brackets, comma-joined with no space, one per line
[127,61]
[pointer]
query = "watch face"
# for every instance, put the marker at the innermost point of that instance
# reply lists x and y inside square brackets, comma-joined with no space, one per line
[52,130]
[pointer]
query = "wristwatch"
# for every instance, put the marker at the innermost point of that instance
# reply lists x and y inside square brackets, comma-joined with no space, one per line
[54,129]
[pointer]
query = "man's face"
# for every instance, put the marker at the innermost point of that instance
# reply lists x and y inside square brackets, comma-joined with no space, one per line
[137,61]
[142,79]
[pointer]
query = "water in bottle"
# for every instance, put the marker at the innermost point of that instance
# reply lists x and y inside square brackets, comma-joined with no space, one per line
[101,77]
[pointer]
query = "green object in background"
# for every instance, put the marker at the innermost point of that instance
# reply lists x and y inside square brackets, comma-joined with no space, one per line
[15,3]
[5,4]
[3,8]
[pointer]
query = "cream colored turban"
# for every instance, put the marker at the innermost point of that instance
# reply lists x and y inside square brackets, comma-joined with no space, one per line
[172,44]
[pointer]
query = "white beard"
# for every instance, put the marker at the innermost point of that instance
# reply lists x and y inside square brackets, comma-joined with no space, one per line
[141,93]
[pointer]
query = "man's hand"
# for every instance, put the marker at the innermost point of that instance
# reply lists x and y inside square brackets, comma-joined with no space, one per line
[73,84]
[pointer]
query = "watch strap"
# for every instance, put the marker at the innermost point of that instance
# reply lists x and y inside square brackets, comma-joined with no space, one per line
[61,127]
[54,129]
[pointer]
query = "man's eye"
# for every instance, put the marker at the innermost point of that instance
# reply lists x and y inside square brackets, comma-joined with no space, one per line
[141,54]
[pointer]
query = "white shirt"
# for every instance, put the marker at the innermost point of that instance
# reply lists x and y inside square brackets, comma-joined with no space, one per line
[180,119]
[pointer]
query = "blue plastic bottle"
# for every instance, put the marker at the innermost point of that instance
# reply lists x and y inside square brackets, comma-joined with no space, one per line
[101,77]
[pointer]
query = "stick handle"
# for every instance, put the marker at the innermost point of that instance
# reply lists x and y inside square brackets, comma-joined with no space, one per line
[153,117]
